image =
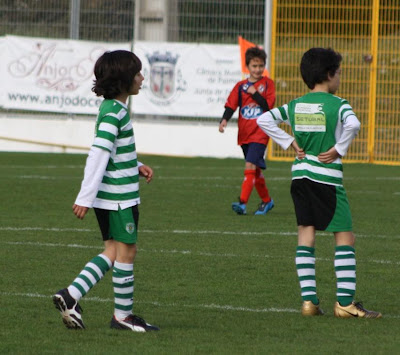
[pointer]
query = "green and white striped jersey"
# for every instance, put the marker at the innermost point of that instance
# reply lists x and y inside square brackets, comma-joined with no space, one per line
[114,133]
[319,122]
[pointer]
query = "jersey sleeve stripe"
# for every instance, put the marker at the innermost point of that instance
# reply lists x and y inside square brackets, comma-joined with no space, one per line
[103,143]
[108,127]
[110,119]
[125,134]
[106,135]
[126,149]
[283,112]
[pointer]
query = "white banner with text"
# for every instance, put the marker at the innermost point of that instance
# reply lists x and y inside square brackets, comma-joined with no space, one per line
[42,74]
[181,79]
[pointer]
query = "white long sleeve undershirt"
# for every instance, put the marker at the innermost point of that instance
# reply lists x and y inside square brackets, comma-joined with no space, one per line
[350,129]
[345,136]
[267,123]
[96,164]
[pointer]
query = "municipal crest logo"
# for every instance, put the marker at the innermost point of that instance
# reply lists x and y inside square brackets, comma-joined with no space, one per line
[130,228]
[165,81]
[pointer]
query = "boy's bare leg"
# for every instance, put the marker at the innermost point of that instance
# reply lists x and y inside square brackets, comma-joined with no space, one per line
[306,236]
[110,250]
[345,238]
[126,253]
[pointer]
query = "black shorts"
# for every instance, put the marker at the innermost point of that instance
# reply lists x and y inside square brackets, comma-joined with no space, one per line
[103,218]
[320,205]
[254,153]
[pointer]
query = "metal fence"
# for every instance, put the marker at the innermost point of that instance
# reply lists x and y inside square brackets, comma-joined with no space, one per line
[98,20]
[366,32]
[206,21]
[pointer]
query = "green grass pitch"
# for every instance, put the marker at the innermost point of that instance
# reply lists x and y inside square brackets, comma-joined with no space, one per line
[215,282]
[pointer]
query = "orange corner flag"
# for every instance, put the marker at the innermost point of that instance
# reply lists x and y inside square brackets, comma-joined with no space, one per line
[244,45]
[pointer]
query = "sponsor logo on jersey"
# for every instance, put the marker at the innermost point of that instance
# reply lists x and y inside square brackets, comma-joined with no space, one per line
[251,111]
[309,118]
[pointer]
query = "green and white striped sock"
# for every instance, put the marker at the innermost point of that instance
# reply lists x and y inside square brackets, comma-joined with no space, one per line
[92,273]
[345,268]
[123,281]
[305,265]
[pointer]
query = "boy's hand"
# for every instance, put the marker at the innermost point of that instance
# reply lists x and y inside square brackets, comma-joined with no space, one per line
[328,157]
[299,152]
[146,172]
[251,90]
[79,211]
[222,125]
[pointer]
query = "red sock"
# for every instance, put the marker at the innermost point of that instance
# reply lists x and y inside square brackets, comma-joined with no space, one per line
[261,187]
[247,185]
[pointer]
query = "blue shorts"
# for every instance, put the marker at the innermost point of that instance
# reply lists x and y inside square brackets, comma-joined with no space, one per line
[254,153]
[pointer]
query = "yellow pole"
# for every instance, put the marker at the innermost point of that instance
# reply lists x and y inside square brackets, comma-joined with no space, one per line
[272,56]
[372,80]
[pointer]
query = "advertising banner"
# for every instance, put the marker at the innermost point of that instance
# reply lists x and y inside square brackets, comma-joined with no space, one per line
[49,75]
[181,79]
[186,79]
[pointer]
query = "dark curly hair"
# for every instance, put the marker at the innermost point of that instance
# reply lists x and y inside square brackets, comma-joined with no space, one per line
[114,72]
[255,52]
[317,64]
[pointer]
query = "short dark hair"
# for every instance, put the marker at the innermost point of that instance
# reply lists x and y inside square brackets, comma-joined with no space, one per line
[114,72]
[317,64]
[255,52]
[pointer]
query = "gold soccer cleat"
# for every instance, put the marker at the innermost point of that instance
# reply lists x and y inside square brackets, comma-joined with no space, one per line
[354,310]
[310,309]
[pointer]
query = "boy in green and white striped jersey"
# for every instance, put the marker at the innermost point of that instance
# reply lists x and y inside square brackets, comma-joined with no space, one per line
[323,125]
[111,186]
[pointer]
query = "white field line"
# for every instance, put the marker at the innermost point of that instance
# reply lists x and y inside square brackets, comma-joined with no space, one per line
[185,252]
[192,232]
[211,306]
[196,306]
[44,166]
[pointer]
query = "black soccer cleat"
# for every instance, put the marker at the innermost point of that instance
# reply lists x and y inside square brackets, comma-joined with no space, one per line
[69,309]
[134,323]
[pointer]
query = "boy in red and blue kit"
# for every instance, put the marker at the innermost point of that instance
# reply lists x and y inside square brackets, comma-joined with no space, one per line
[253,96]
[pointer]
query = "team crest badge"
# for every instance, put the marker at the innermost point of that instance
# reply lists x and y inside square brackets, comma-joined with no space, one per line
[130,228]
[162,74]
[166,80]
